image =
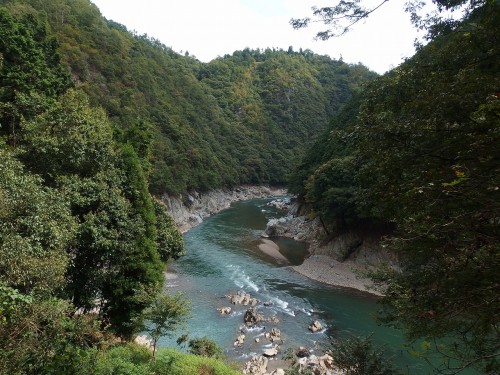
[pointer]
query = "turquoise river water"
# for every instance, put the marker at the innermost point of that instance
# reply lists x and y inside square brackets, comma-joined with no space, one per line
[223,256]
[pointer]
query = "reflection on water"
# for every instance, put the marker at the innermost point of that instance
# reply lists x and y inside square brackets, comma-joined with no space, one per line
[223,256]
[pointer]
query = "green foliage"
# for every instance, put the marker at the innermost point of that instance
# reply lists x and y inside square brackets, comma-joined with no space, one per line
[358,356]
[10,301]
[433,170]
[203,346]
[166,314]
[70,138]
[244,118]
[326,177]
[130,359]
[170,243]
[135,360]
[424,154]
[30,73]
[42,336]
[172,362]
[33,239]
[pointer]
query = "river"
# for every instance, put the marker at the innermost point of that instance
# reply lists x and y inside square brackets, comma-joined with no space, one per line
[223,256]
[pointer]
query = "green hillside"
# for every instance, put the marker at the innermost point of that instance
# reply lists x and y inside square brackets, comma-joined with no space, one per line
[244,118]
[419,150]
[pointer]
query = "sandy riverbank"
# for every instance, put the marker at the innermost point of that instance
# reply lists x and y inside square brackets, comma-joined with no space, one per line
[329,271]
[324,269]
[272,249]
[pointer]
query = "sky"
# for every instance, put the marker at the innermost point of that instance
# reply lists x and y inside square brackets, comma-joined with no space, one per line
[211,28]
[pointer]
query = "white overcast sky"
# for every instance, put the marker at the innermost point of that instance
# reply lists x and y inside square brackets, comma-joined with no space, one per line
[211,28]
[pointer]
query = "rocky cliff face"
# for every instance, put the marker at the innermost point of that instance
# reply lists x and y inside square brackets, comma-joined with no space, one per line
[360,245]
[190,209]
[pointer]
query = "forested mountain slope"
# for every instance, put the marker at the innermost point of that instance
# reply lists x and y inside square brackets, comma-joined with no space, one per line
[419,148]
[243,118]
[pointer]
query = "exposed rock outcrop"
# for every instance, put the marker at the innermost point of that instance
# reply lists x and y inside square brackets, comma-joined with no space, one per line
[360,244]
[323,365]
[190,209]
[315,326]
[256,366]
[335,259]
[242,298]
[240,340]
[274,335]
[270,352]
[224,310]
[252,317]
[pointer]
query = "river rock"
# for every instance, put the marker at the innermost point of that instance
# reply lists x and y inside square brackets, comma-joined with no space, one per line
[273,319]
[256,366]
[274,335]
[280,204]
[252,317]
[270,352]
[224,310]
[326,362]
[276,227]
[278,371]
[318,365]
[315,326]
[302,352]
[242,298]
[239,341]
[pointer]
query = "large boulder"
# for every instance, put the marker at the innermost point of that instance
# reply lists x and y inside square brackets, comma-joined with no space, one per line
[224,310]
[315,326]
[276,227]
[272,352]
[274,335]
[326,362]
[273,319]
[256,366]
[242,298]
[239,341]
[318,365]
[302,352]
[280,203]
[252,317]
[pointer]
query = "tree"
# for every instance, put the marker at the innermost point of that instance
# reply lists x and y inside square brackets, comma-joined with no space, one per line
[114,256]
[33,239]
[340,18]
[166,314]
[170,243]
[205,347]
[31,75]
[427,143]
[358,356]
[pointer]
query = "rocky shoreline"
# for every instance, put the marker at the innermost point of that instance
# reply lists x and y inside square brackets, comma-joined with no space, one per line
[342,261]
[338,263]
[190,209]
